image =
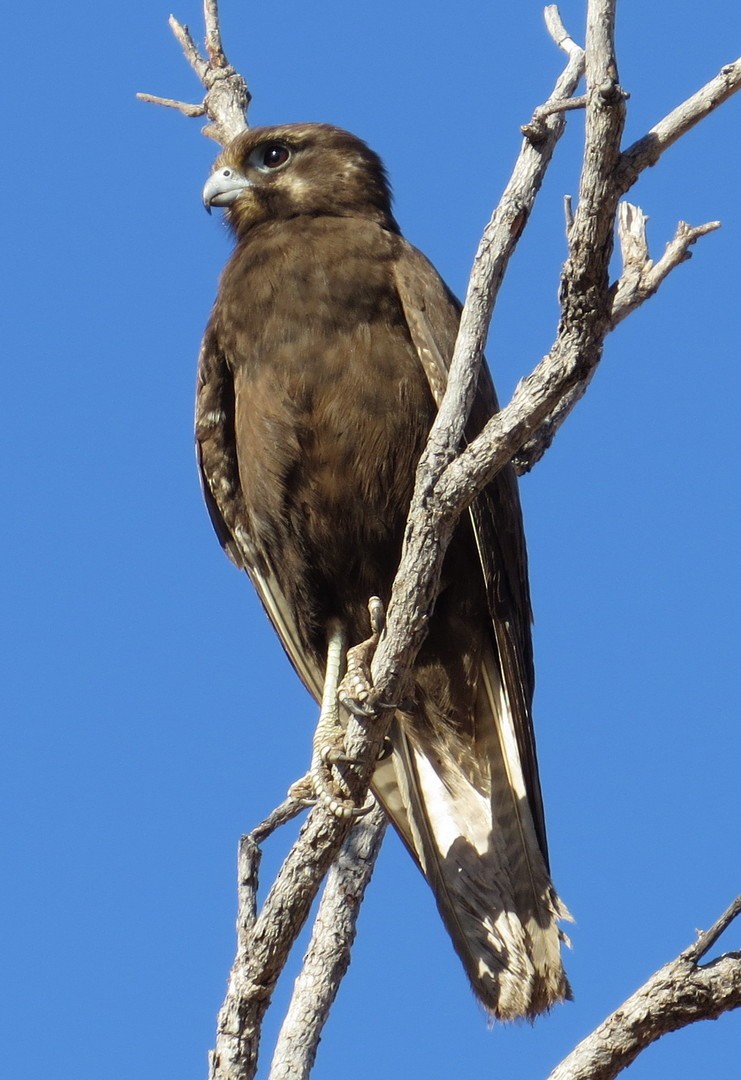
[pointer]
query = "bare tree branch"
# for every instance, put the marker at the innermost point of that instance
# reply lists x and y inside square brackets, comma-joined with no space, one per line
[265,940]
[328,956]
[708,938]
[227,94]
[172,103]
[262,954]
[647,150]
[679,994]
[640,279]
[643,153]
[533,130]
[446,485]
[282,814]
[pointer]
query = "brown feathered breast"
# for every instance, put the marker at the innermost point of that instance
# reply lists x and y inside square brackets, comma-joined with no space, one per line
[319,377]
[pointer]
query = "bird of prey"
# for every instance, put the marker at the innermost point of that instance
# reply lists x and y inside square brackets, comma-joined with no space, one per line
[320,373]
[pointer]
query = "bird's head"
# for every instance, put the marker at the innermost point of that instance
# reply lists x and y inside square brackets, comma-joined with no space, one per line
[274,173]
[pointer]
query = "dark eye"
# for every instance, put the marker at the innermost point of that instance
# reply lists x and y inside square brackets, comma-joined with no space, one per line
[274,155]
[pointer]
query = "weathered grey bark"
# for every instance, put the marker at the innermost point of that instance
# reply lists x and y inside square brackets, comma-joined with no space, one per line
[679,994]
[328,955]
[642,154]
[447,481]
[227,94]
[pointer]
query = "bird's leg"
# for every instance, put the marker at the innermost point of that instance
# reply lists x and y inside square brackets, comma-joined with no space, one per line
[329,739]
[356,687]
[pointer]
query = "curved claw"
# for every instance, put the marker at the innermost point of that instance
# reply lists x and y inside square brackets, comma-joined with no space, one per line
[386,750]
[330,755]
[303,790]
[366,707]
[377,615]
[308,803]
[356,707]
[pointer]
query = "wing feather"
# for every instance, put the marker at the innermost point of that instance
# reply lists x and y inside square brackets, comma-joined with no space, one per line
[482,845]
[216,454]
[433,314]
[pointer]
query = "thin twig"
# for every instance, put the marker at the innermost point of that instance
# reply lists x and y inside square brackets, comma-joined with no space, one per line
[287,810]
[639,281]
[171,103]
[708,938]
[214,45]
[559,33]
[189,47]
[535,130]
[248,866]
[641,277]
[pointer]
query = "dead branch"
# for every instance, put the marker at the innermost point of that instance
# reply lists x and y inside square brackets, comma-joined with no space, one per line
[647,150]
[446,484]
[679,994]
[227,94]
[328,955]
[642,154]
[264,943]
[641,277]
[263,948]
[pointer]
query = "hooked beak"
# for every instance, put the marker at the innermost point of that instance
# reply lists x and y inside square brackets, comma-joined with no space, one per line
[223,187]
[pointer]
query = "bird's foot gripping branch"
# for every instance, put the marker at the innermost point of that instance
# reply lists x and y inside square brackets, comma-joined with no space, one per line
[330,760]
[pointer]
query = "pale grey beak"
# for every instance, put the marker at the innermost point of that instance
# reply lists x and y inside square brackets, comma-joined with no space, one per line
[223,187]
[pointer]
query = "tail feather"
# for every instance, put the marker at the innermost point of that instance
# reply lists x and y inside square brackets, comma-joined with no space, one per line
[472,834]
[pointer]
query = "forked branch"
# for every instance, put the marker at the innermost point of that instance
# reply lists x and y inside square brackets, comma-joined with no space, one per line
[640,279]
[227,94]
[679,994]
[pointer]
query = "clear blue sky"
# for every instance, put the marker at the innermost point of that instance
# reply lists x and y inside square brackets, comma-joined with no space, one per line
[149,714]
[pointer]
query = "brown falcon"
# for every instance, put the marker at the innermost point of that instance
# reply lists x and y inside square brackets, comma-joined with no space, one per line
[320,372]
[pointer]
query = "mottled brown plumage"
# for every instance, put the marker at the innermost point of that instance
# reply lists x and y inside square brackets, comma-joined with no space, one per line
[319,376]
